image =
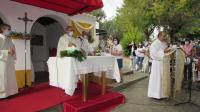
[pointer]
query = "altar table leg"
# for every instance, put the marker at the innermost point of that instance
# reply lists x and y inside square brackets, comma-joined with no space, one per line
[84,87]
[103,81]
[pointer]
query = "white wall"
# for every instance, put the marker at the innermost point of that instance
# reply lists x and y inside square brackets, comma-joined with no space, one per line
[20,48]
[10,11]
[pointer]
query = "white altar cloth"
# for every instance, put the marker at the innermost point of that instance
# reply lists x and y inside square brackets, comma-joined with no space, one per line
[64,72]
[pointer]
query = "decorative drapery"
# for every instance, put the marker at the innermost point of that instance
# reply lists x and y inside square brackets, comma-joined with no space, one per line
[79,27]
[166,81]
[179,70]
[173,72]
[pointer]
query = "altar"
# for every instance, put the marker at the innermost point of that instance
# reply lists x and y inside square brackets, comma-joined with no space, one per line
[65,72]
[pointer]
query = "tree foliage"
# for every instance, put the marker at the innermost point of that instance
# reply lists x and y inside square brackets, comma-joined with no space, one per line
[111,28]
[108,25]
[179,17]
[134,15]
[139,18]
[100,15]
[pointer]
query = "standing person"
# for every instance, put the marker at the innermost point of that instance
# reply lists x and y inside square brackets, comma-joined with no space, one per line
[67,40]
[132,48]
[140,56]
[158,83]
[8,82]
[197,55]
[117,51]
[83,44]
[182,44]
[188,48]
[145,68]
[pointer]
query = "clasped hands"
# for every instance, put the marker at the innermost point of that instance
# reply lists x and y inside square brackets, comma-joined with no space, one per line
[167,50]
[11,51]
[115,53]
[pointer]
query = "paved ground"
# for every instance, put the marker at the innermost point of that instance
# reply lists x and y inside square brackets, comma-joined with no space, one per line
[128,80]
[137,101]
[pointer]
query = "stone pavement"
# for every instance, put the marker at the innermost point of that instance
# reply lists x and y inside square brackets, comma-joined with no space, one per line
[137,101]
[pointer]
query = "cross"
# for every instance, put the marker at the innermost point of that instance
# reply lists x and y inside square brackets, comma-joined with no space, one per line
[25,19]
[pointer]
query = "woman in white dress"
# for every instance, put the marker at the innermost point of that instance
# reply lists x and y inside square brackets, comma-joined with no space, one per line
[117,52]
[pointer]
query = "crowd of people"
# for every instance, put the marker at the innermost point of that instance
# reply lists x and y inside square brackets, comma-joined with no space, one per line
[192,52]
[148,57]
[141,60]
[144,56]
[139,55]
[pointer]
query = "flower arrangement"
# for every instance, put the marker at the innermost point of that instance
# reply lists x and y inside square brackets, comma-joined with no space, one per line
[18,35]
[98,51]
[75,53]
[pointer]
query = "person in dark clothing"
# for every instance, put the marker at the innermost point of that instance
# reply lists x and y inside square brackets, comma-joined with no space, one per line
[132,48]
[197,56]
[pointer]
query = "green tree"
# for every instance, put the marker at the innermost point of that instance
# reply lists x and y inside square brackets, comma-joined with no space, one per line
[108,25]
[179,17]
[112,30]
[135,13]
[100,15]
[139,18]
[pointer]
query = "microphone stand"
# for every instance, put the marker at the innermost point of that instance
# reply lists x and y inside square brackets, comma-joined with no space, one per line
[190,76]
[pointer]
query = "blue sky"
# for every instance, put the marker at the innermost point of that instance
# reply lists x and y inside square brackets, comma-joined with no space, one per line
[110,7]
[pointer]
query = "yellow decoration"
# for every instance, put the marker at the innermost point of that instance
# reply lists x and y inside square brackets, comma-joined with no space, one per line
[80,26]
[20,76]
[84,26]
[76,32]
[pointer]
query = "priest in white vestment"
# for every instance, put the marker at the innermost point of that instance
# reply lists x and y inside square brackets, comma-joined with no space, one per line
[8,83]
[158,88]
[83,44]
[67,40]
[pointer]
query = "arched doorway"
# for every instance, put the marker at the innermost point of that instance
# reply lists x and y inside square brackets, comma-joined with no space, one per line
[1,21]
[46,32]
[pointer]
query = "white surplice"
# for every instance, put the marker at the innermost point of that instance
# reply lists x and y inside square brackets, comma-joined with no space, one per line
[157,88]
[82,43]
[8,83]
[64,42]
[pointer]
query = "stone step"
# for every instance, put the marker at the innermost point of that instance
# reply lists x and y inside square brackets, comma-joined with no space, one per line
[128,81]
